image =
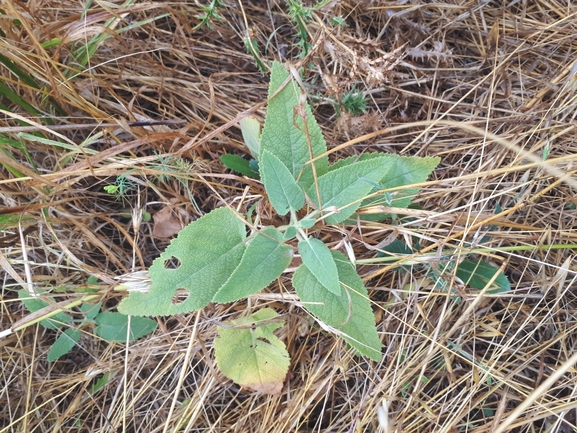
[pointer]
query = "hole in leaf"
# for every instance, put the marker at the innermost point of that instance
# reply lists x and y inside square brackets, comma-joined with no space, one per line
[172,263]
[180,296]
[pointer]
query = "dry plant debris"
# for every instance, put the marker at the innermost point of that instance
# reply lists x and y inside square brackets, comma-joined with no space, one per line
[487,86]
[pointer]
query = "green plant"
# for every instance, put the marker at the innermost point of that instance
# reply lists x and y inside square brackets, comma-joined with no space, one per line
[214,259]
[210,12]
[354,102]
[110,326]
[120,187]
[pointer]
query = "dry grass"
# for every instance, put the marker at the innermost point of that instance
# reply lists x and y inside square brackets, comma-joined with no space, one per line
[488,88]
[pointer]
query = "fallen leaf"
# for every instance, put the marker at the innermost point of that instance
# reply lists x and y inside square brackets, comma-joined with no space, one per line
[166,224]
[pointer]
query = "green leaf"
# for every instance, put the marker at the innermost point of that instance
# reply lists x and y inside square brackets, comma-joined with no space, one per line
[290,233]
[264,260]
[208,251]
[345,187]
[318,259]
[281,187]
[102,382]
[36,304]
[477,274]
[251,355]
[240,165]
[350,312]
[406,170]
[64,344]
[285,135]
[90,310]
[250,128]
[112,327]
[307,223]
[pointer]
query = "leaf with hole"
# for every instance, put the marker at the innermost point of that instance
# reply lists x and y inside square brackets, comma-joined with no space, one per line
[318,259]
[345,187]
[286,134]
[116,327]
[349,312]
[208,250]
[281,187]
[251,355]
[264,260]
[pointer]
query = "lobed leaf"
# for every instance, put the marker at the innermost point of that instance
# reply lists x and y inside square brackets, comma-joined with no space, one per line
[251,355]
[208,251]
[285,134]
[264,260]
[281,187]
[350,312]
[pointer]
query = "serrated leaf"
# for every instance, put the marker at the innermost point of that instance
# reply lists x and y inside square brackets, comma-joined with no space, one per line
[285,135]
[264,260]
[209,250]
[406,170]
[64,344]
[112,327]
[318,259]
[477,274]
[251,355]
[250,128]
[240,165]
[33,305]
[281,187]
[345,187]
[350,312]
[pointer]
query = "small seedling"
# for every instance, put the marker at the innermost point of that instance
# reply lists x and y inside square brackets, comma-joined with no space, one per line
[210,13]
[110,326]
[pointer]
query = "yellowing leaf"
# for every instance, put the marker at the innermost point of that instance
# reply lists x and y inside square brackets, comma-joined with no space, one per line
[251,355]
[250,128]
